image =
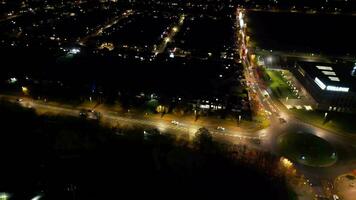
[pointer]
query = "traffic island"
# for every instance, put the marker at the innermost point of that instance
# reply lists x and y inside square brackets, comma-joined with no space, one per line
[307,149]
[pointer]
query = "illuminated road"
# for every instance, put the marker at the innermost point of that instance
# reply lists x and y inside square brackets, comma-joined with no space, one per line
[344,146]
[113,117]
[172,32]
[109,24]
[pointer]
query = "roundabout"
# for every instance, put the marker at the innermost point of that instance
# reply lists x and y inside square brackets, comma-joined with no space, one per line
[307,149]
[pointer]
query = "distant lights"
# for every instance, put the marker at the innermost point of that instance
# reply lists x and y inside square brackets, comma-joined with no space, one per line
[74,51]
[241,23]
[13,80]
[240,15]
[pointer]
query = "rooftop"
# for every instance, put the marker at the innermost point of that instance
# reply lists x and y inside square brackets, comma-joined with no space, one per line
[337,77]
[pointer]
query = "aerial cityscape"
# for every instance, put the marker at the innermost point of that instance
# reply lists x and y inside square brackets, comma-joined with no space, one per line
[128,99]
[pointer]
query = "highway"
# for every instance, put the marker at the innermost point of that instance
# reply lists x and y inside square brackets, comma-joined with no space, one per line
[114,118]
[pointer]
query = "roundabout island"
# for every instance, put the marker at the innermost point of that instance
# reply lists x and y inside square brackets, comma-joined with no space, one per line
[307,149]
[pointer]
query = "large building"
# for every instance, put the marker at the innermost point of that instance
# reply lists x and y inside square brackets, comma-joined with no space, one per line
[333,86]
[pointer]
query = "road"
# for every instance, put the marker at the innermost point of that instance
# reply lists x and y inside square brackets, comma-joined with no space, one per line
[171,34]
[114,117]
[344,146]
[110,23]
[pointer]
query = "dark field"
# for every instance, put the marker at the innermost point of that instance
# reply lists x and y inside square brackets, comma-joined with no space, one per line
[328,34]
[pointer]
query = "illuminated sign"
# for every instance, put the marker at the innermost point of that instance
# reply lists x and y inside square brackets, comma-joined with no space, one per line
[330,87]
[337,89]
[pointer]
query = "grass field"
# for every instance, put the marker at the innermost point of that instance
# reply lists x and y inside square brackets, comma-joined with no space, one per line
[307,149]
[278,85]
[338,122]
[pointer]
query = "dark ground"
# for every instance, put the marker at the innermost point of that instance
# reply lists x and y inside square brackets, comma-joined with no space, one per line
[70,158]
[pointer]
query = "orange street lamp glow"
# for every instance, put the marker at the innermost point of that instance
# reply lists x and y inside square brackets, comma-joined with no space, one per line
[24,89]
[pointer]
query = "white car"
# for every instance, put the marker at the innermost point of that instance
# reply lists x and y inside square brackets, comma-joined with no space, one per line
[220,128]
[174,122]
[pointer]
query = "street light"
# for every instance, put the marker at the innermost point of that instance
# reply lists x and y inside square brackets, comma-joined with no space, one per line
[4,196]
[38,197]
[24,89]
[326,114]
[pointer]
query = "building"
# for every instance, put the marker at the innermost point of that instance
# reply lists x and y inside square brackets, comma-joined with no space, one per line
[333,86]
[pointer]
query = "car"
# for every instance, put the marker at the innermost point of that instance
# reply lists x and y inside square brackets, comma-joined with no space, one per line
[83,113]
[220,128]
[282,120]
[174,122]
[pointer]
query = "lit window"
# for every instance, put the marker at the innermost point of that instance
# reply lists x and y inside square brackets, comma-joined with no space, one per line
[319,83]
[334,78]
[324,68]
[329,73]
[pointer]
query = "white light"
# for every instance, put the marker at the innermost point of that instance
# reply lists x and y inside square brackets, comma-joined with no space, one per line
[324,68]
[241,23]
[74,51]
[205,106]
[38,197]
[337,89]
[319,83]
[329,73]
[334,78]
[13,80]
[4,196]
[171,55]
[308,108]
[353,72]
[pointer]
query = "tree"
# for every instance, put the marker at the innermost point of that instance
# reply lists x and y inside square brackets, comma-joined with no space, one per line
[203,140]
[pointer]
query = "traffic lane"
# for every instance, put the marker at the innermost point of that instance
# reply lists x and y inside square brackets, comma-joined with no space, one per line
[159,124]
